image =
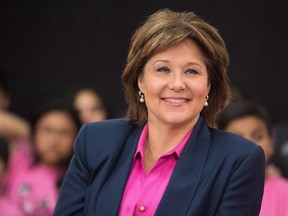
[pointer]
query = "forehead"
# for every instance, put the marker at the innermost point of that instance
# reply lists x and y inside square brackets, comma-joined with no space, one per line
[55,118]
[186,48]
[86,95]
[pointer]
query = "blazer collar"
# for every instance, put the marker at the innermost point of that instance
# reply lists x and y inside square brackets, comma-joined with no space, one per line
[186,175]
[110,197]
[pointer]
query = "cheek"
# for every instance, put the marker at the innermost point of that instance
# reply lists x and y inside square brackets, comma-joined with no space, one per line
[199,89]
[153,87]
[67,143]
[39,142]
[267,146]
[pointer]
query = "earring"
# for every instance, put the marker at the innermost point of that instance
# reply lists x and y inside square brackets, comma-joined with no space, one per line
[141,97]
[206,101]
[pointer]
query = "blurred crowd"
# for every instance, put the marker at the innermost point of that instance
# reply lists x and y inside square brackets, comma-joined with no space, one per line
[35,153]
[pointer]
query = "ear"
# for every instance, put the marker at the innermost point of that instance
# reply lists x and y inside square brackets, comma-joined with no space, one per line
[208,88]
[140,83]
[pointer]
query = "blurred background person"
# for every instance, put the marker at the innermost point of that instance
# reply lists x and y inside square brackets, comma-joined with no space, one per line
[35,168]
[89,105]
[250,120]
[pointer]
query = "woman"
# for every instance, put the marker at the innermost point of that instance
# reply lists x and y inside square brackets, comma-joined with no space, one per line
[165,160]
[251,121]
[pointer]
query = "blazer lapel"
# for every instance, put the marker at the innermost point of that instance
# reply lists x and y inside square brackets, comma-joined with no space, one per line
[186,175]
[110,197]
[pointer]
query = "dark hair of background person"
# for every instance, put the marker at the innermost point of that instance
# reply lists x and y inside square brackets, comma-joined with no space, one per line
[3,83]
[242,108]
[4,150]
[172,29]
[4,92]
[56,105]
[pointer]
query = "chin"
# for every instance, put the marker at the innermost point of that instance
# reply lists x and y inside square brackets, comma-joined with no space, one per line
[178,122]
[182,121]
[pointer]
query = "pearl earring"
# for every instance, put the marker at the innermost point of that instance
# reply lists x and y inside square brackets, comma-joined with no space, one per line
[206,101]
[141,97]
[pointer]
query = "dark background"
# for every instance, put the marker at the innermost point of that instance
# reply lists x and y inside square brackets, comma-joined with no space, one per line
[50,48]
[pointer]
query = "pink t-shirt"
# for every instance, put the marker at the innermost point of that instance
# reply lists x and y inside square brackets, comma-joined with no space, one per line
[31,188]
[143,191]
[275,197]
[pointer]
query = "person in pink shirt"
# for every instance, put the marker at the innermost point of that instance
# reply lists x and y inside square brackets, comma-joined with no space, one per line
[251,121]
[34,168]
[167,158]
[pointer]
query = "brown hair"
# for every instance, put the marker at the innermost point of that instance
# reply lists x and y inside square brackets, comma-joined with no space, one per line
[167,28]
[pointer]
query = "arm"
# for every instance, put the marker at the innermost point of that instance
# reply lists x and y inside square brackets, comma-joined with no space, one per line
[243,194]
[72,195]
[13,127]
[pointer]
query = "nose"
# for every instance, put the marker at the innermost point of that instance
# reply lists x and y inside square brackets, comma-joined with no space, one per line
[177,82]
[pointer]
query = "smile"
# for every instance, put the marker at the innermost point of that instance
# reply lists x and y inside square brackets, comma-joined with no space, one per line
[176,100]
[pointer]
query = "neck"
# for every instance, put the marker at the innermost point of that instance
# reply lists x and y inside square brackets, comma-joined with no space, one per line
[162,139]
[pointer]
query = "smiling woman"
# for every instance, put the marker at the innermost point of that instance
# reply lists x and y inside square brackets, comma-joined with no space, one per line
[166,159]
[175,85]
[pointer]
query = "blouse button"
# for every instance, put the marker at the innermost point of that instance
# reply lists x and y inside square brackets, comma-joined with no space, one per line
[141,208]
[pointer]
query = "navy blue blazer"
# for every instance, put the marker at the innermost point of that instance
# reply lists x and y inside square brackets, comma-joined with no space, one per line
[218,173]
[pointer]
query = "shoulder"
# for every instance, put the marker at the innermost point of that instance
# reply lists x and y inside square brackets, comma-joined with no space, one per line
[112,124]
[223,143]
[105,137]
[237,150]
[231,142]
[111,128]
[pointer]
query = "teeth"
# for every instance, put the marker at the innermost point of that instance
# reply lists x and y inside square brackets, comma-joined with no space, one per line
[174,100]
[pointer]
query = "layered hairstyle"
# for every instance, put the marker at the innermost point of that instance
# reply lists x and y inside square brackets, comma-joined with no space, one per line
[165,29]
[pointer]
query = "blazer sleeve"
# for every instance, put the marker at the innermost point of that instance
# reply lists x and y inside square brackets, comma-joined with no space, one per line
[72,194]
[243,194]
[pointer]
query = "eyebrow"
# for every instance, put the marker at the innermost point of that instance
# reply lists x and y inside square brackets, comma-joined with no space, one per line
[167,61]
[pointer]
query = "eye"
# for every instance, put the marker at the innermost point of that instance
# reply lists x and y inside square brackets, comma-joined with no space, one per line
[64,133]
[258,137]
[191,71]
[44,130]
[163,69]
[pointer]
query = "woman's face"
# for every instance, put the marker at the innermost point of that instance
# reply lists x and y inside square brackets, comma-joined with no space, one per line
[254,129]
[54,136]
[89,107]
[175,84]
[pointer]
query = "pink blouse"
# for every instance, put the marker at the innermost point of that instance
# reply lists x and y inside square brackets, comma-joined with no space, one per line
[143,191]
